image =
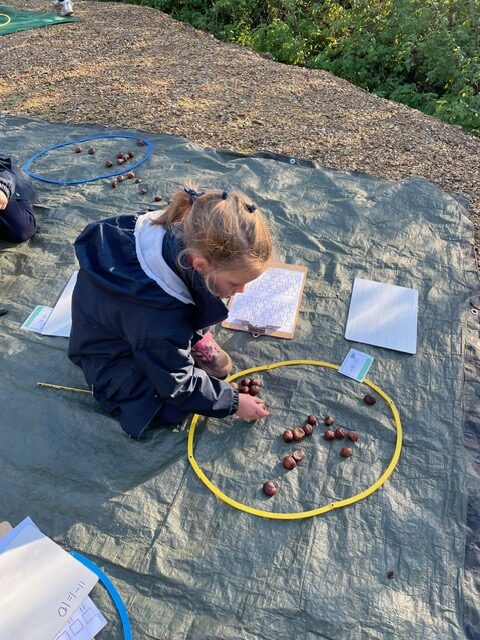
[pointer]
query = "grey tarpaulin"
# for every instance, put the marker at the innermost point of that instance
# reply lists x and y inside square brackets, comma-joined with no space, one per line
[186,564]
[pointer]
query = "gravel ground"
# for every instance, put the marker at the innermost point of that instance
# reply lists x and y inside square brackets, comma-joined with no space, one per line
[134,66]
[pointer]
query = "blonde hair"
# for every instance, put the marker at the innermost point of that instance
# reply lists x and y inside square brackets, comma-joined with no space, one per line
[224,227]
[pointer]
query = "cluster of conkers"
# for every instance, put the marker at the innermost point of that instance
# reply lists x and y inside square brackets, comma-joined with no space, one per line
[251,386]
[340,434]
[291,460]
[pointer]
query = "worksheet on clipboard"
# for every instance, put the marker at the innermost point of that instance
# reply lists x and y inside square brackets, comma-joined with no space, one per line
[270,303]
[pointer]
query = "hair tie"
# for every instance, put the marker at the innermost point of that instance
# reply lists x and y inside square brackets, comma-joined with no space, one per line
[224,195]
[251,207]
[193,194]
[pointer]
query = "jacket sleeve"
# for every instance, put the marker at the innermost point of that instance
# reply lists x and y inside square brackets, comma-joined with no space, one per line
[179,383]
[7,179]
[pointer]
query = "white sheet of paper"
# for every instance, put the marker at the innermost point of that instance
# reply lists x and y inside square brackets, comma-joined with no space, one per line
[59,322]
[37,319]
[84,624]
[38,577]
[269,301]
[384,315]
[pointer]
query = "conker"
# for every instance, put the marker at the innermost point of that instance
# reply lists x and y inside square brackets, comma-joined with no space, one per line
[256,381]
[269,488]
[91,151]
[120,161]
[126,157]
[254,389]
[369,399]
[109,163]
[140,142]
[130,175]
[114,184]
[308,428]
[138,180]
[298,455]
[339,433]
[353,436]
[244,389]
[390,575]
[329,421]
[287,435]
[157,198]
[298,434]
[312,420]
[130,154]
[329,434]
[346,452]
[289,463]
[120,155]
[120,178]
[245,381]
[78,149]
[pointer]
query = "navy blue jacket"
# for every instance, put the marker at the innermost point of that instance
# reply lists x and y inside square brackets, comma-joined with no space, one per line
[14,182]
[133,339]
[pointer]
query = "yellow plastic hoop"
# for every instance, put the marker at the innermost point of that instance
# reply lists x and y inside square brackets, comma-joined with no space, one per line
[320,510]
[9,19]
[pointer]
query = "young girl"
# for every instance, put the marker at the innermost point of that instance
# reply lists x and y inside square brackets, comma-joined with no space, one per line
[148,288]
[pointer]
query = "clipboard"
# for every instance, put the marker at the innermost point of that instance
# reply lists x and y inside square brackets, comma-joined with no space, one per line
[270,304]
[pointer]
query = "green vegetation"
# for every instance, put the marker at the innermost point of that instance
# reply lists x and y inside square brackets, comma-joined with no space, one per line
[422,53]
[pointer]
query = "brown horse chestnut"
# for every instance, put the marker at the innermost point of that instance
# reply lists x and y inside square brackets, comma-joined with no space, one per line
[353,436]
[157,198]
[138,180]
[244,389]
[287,435]
[369,399]
[269,488]
[329,434]
[109,163]
[308,428]
[312,420]
[298,434]
[120,155]
[114,184]
[346,452]
[245,381]
[329,420]
[91,151]
[120,161]
[289,463]
[130,175]
[130,154]
[298,455]
[339,433]
[254,390]
[121,178]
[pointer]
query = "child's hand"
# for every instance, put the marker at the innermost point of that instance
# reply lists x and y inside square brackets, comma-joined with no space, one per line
[3,200]
[251,407]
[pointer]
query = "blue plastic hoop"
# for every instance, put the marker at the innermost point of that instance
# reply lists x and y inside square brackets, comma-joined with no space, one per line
[112,592]
[66,144]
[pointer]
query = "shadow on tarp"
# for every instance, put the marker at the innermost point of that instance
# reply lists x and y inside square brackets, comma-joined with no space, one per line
[186,564]
[12,20]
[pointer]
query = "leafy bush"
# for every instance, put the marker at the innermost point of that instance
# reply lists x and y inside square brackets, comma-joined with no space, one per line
[422,53]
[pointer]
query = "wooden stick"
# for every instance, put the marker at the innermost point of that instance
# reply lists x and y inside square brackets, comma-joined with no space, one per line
[61,388]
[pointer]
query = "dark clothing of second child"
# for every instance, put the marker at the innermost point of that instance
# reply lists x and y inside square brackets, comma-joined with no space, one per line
[135,316]
[17,220]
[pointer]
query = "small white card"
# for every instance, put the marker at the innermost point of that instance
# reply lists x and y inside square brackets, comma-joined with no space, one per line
[37,319]
[356,365]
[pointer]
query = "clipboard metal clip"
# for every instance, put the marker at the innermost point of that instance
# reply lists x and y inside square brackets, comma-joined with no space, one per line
[257,331]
